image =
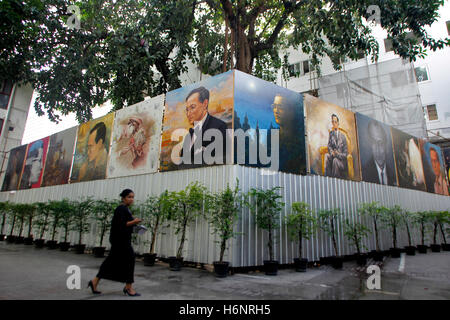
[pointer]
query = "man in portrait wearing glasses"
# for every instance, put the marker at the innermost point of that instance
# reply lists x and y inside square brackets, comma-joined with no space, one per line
[201,121]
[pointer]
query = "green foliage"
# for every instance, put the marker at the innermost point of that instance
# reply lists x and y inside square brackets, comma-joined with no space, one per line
[102,212]
[301,224]
[185,206]
[125,50]
[223,211]
[356,232]
[266,205]
[329,219]
[154,212]
[5,209]
[67,210]
[81,215]
[408,220]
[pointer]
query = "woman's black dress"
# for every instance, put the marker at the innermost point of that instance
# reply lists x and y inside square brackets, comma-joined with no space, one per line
[119,265]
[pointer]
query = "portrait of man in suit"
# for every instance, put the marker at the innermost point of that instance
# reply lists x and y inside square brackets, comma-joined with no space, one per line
[336,158]
[201,121]
[94,167]
[379,166]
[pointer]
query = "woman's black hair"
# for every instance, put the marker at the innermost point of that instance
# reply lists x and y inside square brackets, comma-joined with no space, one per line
[125,193]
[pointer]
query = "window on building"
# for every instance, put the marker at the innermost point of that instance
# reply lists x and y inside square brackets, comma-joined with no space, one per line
[448,27]
[421,74]
[431,112]
[299,69]
[5,92]
[388,47]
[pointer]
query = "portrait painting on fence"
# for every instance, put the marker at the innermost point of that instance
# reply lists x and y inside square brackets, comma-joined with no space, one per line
[59,157]
[332,140]
[196,119]
[375,151]
[434,168]
[33,166]
[136,139]
[408,160]
[272,119]
[92,149]
[14,168]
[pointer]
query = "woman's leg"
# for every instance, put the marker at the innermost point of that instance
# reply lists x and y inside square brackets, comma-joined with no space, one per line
[95,282]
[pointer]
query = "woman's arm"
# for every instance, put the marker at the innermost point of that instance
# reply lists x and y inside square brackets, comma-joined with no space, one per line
[133,222]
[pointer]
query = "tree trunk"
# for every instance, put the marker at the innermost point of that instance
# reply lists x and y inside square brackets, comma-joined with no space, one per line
[422,231]
[442,233]
[154,233]
[357,244]
[223,246]
[394,235]
[225,47]
[54,232]
[3,223]
[435,232]
[30,224]
[376,234]
[43,227]
[300,237]
[333,237]
[13,224]
[21,227]
[409,234]
[270,243]
[102,235]
[66,231]
[183,236]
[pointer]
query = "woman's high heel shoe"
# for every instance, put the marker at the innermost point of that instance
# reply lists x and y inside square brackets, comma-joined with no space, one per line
[125,291]
[91,285]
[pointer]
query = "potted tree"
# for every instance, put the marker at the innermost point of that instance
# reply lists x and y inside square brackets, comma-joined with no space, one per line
[223,211]
[301,224]
[155,211]
[4,209]
[329,224]
[423,219]
[186,205]
[56,208]
[67,213]
[81,221]
[445,220]
[408,222]
[373,210]
[356,232]
[392,219]
[31,212]
[266,206]
[43,215]
[102,211]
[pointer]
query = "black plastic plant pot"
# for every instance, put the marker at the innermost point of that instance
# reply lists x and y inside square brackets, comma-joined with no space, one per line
[19,240]
[99,252]
[435,248]
[372,254]
[350,257]
[221,268]
[395,252]
[378,256]
[52,244]
[361,259]
[11,239]
[28,241]
[271,267]
[2,237]
[300,264]
[39,243]
[446,246]
[422,248]
[175,264]
[79,248]
[64,246]
[326,260]
[149,259]
[410,250]
[337,262]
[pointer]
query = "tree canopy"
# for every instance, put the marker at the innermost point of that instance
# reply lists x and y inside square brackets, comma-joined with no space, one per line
[125,50]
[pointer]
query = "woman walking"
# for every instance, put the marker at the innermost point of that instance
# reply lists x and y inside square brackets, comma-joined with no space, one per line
[119,265]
